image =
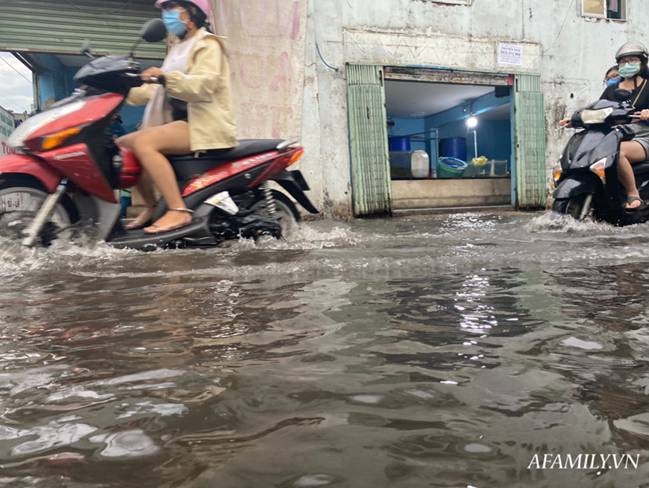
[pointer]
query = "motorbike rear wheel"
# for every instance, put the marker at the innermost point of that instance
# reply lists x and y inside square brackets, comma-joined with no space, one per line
[19,204]
[286,213]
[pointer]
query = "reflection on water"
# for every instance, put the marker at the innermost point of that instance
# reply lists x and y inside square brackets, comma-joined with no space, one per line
[438,351]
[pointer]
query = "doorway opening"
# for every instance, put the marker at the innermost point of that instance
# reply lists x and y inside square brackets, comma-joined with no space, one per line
[450,141]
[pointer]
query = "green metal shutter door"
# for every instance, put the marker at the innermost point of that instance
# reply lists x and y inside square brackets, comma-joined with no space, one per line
[368,140]
[530,142]
[61,26]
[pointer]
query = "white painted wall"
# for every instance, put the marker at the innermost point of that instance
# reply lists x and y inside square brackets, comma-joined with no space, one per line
[569,51]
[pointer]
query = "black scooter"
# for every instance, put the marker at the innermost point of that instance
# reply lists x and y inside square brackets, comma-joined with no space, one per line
[587,183]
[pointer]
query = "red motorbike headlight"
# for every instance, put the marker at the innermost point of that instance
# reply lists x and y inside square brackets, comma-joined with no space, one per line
[58,138]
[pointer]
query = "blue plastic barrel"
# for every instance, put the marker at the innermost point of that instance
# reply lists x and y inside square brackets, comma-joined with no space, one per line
[453,147]
[399,143]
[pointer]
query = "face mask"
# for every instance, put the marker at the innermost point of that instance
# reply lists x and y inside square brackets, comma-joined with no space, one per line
[613,81]
[629,70]
[174,24]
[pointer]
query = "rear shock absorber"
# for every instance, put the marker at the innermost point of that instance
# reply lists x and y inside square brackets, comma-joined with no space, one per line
[270,200]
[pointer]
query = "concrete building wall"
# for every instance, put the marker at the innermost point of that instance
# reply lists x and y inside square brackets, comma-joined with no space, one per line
[447,193]
[570,52]
[266,46]
[265,42]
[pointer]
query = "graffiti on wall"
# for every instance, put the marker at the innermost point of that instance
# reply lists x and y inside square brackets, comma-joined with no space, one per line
[266,49]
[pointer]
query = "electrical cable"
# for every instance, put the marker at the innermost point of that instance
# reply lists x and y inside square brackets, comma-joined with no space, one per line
[13,68]
[317,47]
[563,24]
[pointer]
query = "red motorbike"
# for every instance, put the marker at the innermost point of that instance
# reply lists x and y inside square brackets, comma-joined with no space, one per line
[66,169]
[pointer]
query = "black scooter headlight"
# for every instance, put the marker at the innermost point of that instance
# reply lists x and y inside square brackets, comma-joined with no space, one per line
[599,168]
[592,117]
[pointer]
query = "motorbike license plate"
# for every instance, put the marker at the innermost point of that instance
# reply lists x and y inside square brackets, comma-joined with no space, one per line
[14,202]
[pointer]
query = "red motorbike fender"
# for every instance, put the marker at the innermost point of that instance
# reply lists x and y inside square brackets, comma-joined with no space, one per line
[20,164]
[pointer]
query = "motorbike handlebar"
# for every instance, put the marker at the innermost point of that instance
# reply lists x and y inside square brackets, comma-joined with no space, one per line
[152,80]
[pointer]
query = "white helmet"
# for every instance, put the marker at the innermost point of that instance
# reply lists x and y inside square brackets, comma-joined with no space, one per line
[632,48]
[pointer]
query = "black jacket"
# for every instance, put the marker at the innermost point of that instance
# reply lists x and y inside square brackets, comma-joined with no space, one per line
[640,96]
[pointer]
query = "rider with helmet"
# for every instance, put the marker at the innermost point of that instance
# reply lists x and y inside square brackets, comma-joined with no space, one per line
[632,60]
[612,76]
[189,110]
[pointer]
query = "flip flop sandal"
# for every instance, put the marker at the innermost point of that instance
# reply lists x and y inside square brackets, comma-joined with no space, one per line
[642,206]
[156,229]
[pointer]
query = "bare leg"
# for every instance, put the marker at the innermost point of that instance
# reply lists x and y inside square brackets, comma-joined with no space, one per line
[630,152]
[126,142]
[144,187]
[150,146]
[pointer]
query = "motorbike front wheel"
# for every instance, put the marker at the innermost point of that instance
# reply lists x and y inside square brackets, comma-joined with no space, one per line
[573,207]
[18,208]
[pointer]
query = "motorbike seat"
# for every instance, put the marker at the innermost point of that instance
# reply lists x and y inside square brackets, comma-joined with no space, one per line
[188,166]
[641,168]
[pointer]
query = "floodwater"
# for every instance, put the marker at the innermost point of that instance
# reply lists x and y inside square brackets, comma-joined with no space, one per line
[422,351]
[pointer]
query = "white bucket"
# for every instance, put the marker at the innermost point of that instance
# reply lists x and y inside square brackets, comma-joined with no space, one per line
[420,164]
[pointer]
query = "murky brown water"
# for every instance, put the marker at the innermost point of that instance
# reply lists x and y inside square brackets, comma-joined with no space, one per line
[437,351]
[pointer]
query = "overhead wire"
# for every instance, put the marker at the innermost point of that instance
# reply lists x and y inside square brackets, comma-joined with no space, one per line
[563,24]
[14,68]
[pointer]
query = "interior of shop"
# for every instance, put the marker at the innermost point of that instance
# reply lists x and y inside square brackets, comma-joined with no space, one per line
[448,131]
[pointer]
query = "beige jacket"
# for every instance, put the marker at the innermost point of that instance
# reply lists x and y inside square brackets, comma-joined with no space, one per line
[206,87]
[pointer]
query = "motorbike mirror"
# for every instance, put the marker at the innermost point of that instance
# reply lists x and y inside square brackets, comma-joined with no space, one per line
[622,95]
[154,31]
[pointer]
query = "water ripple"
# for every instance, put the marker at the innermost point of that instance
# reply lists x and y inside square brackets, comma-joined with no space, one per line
[441,350]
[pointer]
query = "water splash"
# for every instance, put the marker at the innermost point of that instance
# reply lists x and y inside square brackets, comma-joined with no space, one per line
[17,260]
[554,222]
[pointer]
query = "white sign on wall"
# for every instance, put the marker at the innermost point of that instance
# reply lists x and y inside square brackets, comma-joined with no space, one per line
[510,54]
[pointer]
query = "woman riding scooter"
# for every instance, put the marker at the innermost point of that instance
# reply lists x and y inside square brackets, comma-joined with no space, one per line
[189,110]
[632,60]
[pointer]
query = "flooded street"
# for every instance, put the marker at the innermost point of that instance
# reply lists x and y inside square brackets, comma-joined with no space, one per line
[440,351]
